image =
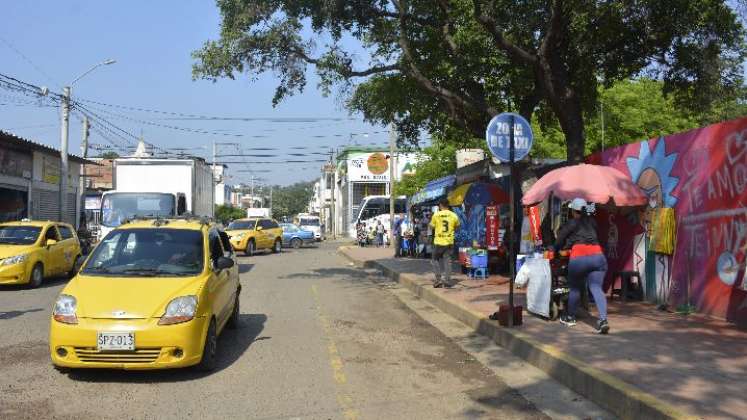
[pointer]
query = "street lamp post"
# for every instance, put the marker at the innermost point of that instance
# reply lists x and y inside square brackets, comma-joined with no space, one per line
[64,133]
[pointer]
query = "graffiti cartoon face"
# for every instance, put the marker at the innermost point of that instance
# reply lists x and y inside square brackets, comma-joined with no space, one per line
[652,171]
[650,183]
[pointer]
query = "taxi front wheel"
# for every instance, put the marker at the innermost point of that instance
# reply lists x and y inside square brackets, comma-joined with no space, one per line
[209,350]
[37,276]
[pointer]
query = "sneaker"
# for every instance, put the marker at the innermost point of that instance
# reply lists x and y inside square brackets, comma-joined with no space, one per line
[568,320]
[438,285]
[603,327]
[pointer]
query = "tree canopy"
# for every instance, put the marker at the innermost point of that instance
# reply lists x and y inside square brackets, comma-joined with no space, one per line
[287,201]
[434,64]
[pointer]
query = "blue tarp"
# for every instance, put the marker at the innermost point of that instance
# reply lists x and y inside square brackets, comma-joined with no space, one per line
[433,190]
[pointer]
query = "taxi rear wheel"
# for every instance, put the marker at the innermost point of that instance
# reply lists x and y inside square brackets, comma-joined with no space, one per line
[209,350]
[37,276]
[233,321]
[277,247]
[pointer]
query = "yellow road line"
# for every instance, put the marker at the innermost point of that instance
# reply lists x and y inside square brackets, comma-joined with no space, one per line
[344,399]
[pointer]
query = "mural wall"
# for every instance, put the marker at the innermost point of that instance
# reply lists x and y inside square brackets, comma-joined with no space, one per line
[702,175]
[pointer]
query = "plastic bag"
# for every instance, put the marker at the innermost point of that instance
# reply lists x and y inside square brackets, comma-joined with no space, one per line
[538,289]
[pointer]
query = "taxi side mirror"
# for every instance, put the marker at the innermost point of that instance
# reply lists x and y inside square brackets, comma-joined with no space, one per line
[260,228]
[50,242]
[223,263]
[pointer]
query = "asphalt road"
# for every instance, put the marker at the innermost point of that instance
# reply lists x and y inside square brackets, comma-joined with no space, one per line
[319,339]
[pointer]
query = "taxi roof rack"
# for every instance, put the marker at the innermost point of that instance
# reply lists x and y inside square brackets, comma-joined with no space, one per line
[159,220]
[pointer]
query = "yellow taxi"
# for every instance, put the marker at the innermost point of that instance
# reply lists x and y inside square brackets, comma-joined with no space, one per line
[153,294]
[249,235]
[33,250]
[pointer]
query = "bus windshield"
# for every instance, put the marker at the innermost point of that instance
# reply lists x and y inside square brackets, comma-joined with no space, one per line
[118,207]
[310,221]
[373,207]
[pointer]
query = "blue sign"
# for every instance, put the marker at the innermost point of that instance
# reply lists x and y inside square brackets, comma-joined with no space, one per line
[497,136]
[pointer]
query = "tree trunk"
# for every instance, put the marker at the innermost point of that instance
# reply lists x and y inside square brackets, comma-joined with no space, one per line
[565,104]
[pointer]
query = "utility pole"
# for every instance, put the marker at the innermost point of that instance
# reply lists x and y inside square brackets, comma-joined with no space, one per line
[270,200]
[251,193]
[65,131]
[84,154]
[392,165]
[331,171]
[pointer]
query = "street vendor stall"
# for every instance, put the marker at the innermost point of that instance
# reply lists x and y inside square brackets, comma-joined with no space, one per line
[601,185]
[478,206]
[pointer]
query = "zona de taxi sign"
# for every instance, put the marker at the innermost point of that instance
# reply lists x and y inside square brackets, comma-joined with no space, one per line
[497,136]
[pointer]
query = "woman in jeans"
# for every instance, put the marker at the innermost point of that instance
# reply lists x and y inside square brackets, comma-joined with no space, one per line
[587,266]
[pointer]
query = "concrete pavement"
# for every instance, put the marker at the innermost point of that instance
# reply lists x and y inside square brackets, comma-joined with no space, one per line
[653,365]
[318,339]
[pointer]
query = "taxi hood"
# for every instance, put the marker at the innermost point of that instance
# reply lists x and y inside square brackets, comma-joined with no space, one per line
[129,297]
[9,250]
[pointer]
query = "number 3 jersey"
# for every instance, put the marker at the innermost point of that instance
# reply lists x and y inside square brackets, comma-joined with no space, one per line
[444,223]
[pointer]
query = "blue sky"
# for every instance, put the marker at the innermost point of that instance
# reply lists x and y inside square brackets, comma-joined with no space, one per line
[152,42]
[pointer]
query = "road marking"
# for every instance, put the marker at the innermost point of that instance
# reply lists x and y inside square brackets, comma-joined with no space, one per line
[344,399]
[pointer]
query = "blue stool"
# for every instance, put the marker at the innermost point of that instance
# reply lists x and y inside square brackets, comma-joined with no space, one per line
[478,266]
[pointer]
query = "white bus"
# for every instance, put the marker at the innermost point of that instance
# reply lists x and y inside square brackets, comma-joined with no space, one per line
[374,208]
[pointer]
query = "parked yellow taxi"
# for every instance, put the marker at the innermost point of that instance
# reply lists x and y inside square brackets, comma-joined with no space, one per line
[249,235]
[31,251]
[154,294]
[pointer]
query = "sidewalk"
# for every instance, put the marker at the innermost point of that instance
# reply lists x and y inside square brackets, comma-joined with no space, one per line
[652,365]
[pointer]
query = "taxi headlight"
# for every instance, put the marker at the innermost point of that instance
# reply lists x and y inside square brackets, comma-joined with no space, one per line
[14,260]
[64,309]
[181,309]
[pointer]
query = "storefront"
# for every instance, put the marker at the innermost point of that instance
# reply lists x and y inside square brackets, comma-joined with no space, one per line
[360,173]
[29,181]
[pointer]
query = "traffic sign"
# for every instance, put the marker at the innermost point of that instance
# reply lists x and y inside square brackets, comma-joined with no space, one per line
[498,134]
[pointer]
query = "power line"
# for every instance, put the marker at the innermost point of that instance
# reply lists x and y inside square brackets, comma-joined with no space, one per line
[28,60]
[186,116]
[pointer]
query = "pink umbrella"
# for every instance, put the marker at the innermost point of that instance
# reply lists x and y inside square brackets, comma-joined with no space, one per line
[593,183]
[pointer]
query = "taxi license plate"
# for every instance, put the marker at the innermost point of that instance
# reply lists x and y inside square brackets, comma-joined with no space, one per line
[115,341]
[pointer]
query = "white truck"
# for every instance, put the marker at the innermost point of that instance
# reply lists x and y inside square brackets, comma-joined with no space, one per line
[258,212]
[311,223]
[157,187]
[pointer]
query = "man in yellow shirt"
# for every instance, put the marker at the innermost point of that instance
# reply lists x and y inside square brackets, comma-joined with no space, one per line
[444,222]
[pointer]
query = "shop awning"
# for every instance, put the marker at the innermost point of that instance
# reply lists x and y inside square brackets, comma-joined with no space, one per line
[433,190]
[477,193]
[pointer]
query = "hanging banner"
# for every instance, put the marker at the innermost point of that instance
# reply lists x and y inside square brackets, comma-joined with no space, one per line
[533,213]
[492,225]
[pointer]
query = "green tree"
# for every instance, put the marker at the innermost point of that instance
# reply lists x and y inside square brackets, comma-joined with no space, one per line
[225,213]
[287,201]
[431,64]
[110,155]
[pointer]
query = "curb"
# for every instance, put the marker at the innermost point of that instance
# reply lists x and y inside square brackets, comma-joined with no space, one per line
[620,398]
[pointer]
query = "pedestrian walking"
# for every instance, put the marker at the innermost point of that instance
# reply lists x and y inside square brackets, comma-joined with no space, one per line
[397,233]
[444,222]
[587,266]
[361,233]
[379,234]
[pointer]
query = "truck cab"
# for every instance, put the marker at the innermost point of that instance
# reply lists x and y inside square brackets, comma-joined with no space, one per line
[311,223]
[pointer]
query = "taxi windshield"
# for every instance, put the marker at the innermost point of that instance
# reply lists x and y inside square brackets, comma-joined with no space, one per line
[148,253]
[241,224]
[118,207]
[19,235]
